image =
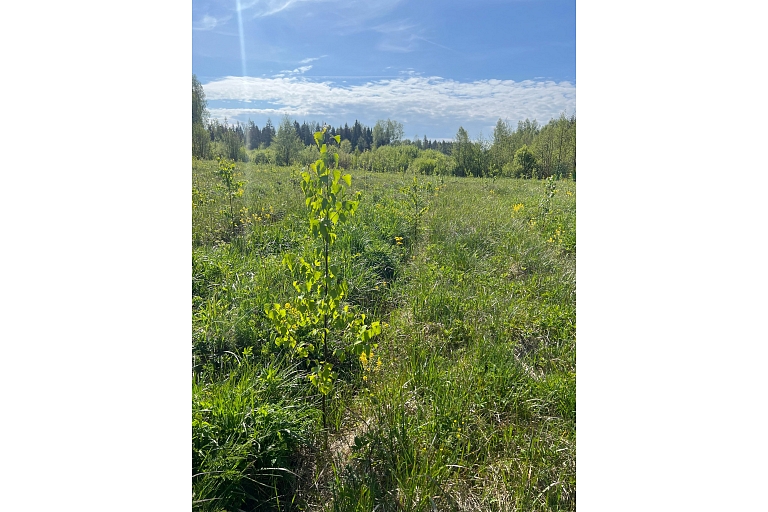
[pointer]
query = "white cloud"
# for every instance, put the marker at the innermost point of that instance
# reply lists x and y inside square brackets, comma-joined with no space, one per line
[209,22]
[298,71]
[431,100]
[311,59]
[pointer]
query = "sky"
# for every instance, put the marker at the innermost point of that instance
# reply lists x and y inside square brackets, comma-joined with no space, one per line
[433,66]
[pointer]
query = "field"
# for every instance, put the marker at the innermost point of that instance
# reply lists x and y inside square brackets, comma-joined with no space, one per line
[467,401]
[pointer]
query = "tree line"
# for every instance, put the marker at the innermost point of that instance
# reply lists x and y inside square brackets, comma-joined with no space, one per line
[527,150]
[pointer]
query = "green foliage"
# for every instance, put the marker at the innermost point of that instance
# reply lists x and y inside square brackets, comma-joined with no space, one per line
[308,155]
[525,163]
[287,145]
[423,165]
[546,201]
[555,148]
[465,400]
[388,158]
[418,196]
[262,156]
[475,406]
[232,185]
[201,141]
[244,432]
[231,147]
[387,132]
[306,325]
[431,162]
[199,104]
[469,157]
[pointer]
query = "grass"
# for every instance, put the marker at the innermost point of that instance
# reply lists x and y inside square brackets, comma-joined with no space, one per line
[470,401]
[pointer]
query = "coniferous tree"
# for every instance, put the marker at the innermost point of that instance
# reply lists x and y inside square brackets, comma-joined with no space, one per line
[268,133]
[254,135]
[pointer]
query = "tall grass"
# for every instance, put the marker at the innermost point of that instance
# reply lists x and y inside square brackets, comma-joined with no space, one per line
[471,405]
[247,430]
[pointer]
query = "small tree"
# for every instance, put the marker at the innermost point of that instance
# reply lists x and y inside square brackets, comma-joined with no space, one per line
[307,325]
[287,144]
[232,185]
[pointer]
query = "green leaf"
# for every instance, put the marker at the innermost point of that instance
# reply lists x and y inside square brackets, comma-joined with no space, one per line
[338,139]
[347,179]
[288,259]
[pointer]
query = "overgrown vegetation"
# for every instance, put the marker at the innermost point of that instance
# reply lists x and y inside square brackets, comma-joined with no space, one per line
[469,400]
[526,151]
[466,400]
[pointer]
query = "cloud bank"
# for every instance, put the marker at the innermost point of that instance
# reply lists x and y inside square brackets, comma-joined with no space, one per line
[427,100]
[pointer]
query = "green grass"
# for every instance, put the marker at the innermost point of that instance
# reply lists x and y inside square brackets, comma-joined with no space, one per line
[472,406]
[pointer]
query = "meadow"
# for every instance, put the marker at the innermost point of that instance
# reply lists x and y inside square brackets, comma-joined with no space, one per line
[467,399]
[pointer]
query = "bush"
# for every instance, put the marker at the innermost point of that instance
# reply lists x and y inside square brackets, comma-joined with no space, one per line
[308,155]
[261,156]
[433,162]
[388,158]
[423,165]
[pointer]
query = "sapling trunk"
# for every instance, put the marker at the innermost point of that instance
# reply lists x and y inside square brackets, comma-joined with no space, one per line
[325,338]
[232,214]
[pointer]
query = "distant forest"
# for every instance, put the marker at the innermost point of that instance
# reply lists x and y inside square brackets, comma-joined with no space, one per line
[528,150]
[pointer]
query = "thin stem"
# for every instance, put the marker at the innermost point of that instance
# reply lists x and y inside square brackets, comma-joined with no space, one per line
[231,213]
[325,321]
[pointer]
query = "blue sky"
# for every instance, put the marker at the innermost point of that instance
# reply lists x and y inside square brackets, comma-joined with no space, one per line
[434,66]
